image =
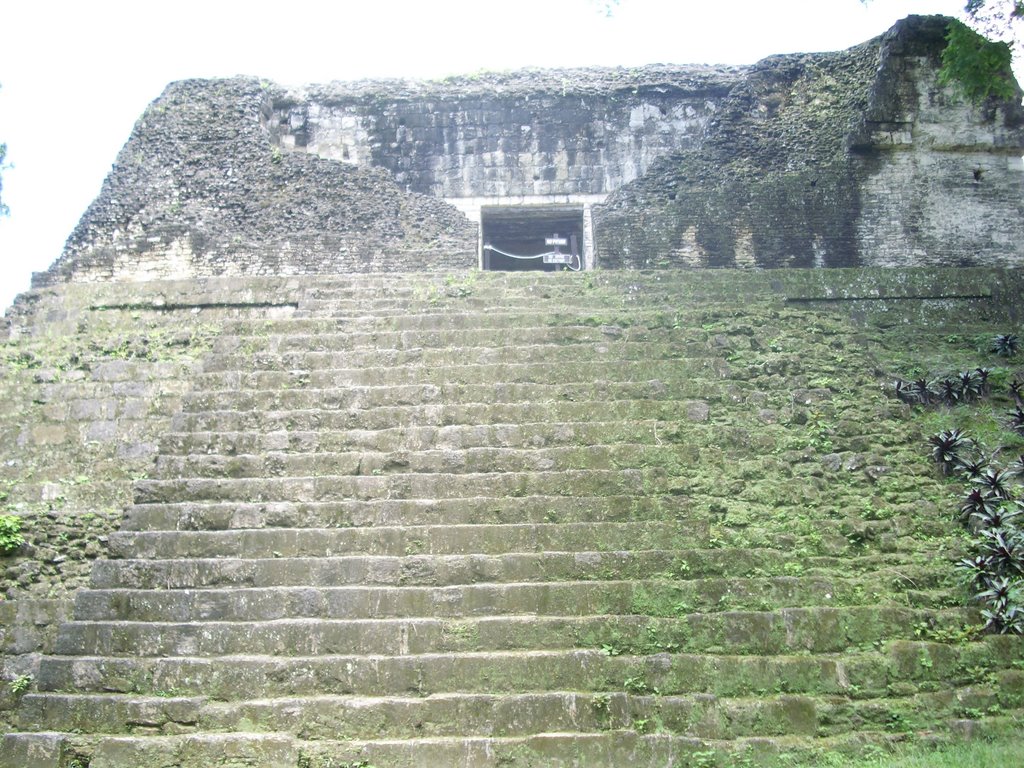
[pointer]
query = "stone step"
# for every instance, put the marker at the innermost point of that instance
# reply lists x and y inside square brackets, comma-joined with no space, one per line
[545,750]
[193,750]
[468,460]
[683,531]
[397,541]
[436,485]
[436,570]
[357,397]
[677,373]
[378,334]
[624,283]
[384,512]
[702,716]
[868,673]
[450,438]
[475,715]
[616,630]
[626,747]
[498,319]
[608,594]
[377,341]
[571,311]
[385,348]
[526,299]
[443,414]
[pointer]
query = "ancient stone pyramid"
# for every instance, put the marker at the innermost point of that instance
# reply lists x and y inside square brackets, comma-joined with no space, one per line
[485,519]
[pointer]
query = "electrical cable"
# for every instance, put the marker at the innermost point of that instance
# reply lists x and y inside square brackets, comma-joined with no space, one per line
[577,268]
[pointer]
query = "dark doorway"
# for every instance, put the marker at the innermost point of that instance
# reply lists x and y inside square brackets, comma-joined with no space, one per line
[512,236]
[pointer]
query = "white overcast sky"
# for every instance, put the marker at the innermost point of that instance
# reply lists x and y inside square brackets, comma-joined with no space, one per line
[74,76]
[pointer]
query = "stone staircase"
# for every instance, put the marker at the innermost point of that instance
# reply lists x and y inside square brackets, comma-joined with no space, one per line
[522,520]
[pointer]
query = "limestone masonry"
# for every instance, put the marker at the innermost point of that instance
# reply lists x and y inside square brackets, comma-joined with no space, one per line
[302,486]
[855,158]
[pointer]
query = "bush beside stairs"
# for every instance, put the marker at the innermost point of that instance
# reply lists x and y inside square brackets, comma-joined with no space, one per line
[600,519]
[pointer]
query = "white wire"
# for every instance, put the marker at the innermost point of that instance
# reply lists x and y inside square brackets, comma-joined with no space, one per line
[538,256]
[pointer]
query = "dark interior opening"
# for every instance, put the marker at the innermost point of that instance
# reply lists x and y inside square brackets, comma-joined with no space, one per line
[525,231]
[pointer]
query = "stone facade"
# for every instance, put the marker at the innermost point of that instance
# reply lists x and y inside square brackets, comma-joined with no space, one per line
[854,158]
[858,158]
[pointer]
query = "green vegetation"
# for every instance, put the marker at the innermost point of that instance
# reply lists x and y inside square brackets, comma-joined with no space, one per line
[20,684]
[970,754]
[978,66]
[11,537]
[993,568]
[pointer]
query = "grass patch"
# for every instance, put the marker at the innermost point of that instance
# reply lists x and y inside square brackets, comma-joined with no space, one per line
[969,754]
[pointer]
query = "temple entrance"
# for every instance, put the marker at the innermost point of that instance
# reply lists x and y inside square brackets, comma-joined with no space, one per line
[532,237]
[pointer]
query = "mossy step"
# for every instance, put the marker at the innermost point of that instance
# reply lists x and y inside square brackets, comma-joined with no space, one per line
[442,414]
[451,316]
[815,630]
[111,713]
[414,438]
[543,750]
[672,457]
[435,485]
[405,540]
[684,532]
[869,674]
[702,716]
[677,323]
[453,306]
[263,352]
[438,570]
[193,750]
[333,371]
[399,348]
[630,282]
[626,747]
[466,298]
[612,594]
[676,317]
[359,397]
[375,512]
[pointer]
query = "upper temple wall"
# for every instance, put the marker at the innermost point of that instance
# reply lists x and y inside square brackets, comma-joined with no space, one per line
[851,158]
[529,133]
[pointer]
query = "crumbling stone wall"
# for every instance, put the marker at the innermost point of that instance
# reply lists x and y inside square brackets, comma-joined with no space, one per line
[200,189]
[854,158]
[857,158]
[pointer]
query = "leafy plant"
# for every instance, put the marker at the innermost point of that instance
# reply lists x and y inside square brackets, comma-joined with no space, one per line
[1003,550]
[10,534]
[1004,613]
[946,447]
[971,385]
[975,570]
[1015,469]
[905,392]
[1006,345]
[976,65]
[922,391]
[972,466]
[982,378]
[1017,420]
[994,481]
[1015,392]
[20,684]
[949,391]
[999,516]
[636,685]
[977,502]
